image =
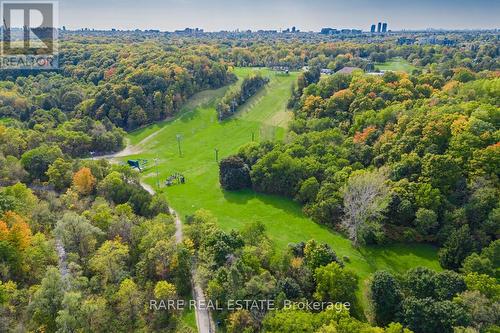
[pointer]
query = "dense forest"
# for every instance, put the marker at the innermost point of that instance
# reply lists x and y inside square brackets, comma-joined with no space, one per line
[398,157]
[127,85]
[392,158]
[422,150]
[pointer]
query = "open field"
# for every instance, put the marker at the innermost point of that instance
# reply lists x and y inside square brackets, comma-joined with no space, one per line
[396,64]
[265,115]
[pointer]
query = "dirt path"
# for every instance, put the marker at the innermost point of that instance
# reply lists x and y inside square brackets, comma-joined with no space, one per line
[129,150]
[150,190]
[204,320]
[178,226]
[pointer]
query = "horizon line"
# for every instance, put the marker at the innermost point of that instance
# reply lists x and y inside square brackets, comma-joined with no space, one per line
[241,30]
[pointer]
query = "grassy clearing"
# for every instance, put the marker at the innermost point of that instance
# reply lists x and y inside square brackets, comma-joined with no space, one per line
[188,317]
[265,115]
[396,64]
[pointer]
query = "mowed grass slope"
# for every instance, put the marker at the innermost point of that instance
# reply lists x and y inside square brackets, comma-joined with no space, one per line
[397,65]
[266,116]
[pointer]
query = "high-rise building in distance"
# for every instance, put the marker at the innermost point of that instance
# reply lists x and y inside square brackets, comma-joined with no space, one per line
[372,28]
[384,27]
[379,27]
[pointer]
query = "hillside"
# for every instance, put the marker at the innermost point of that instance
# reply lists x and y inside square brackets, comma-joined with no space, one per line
[265,116]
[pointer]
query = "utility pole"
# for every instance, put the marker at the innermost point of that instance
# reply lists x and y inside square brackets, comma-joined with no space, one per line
[157,173]
[216,155]
[179,137]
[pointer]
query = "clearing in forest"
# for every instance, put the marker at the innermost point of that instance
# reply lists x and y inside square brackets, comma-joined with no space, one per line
[265,118]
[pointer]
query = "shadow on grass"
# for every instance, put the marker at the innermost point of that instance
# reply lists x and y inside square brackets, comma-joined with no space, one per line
[242,197]
[398,256]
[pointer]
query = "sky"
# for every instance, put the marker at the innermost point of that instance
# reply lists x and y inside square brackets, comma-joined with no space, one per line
[306,15]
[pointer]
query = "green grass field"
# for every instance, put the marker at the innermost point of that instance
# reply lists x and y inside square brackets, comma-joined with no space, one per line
[396,64]
[266,116]
[188,317]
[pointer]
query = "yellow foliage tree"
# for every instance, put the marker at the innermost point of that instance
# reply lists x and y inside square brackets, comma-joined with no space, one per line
[4,231]
[165,290]
[84,181]
[14,229]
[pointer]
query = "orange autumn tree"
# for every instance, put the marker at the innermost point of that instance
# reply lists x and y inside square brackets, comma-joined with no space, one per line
[361,137]
[14,229]
[84,181]
[4,231]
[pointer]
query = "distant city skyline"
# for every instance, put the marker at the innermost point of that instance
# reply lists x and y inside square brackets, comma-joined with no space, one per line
[312,15]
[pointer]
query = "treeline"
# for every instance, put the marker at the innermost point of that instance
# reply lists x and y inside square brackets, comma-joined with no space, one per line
[82,245]
[126,84]
[236,97]
[75,138]
[428,301]
[28,154]
[475,50]
[392,158]
[245,265]
[479,54]
[88,257]
[140,80]
[140,83]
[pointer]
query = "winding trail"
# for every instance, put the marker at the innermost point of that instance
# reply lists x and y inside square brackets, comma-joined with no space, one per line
[204,320]
[262,118]
[128,150]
